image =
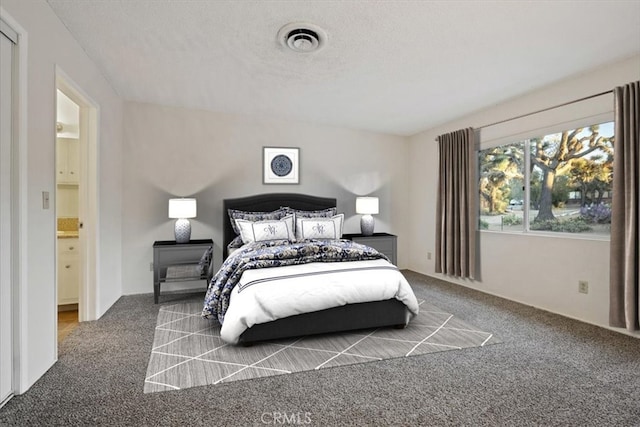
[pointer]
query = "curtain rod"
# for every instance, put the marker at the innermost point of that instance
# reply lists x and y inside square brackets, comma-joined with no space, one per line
[542,110]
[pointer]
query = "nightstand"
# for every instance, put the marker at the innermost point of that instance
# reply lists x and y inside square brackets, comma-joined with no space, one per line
[177,262]
[382,242]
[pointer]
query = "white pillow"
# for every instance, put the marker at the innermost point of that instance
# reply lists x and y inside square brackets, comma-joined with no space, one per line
[319,228]
[262,231]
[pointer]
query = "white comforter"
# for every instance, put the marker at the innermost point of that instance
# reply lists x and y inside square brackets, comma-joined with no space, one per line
[268,294]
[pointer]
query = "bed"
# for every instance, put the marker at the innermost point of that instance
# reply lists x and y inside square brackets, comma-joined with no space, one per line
[391,311]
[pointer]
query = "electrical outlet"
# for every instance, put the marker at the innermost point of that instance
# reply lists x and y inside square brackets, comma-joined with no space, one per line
[428,255]
[583,286]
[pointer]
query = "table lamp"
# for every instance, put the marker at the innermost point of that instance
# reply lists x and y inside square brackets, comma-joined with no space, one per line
[366,206]
[182,209]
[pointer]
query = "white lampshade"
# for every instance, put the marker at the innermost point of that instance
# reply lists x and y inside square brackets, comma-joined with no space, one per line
[182,208]
[367,205]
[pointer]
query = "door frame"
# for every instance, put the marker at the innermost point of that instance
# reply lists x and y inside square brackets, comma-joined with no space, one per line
[9,39]
[19,211]
[87,197]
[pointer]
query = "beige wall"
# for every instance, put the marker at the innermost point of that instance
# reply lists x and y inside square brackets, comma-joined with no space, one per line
[212,156]
[49,44]
[536,270]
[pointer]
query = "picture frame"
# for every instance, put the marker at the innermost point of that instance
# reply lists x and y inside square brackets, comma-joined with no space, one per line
[280,165]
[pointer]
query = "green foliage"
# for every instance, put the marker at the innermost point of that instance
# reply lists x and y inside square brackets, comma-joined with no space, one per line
[592,177]
[484,225]
[571,225]
[511,219]
[498,167]
[560,192]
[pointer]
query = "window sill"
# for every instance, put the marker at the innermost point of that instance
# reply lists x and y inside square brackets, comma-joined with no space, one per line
[556,235]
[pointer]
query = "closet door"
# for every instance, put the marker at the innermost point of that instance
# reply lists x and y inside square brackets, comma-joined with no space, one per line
[6,238]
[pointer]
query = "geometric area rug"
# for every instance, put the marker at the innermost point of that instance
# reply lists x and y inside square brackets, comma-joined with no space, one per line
[188,352]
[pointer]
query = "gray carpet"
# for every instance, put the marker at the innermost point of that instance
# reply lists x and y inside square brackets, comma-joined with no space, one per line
[548,371]
[188,352]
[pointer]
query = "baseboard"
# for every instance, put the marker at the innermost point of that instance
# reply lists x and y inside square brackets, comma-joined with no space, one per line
[67,307]
[610,328]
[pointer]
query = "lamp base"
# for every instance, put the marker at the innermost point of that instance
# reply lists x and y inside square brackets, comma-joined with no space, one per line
[366,225]
[183,230]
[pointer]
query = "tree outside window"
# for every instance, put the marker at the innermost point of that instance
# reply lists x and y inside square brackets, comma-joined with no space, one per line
[569,175]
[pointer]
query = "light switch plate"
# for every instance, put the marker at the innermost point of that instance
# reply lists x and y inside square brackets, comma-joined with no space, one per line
[45,200]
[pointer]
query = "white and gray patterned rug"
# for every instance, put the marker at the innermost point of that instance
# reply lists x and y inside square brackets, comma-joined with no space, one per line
[188,352]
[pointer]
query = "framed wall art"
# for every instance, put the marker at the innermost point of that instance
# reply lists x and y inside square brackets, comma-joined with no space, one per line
[280,165]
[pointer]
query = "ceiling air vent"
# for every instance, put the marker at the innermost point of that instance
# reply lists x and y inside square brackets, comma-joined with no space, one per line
[302,38]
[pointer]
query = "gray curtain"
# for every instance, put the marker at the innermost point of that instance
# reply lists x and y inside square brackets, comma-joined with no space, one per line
[456,215]
[625,233]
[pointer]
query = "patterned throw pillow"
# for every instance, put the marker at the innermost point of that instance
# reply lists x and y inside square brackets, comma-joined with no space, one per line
[205,260]
[323,213]
[300,214]
[262,231]
[319,228]
[235,215]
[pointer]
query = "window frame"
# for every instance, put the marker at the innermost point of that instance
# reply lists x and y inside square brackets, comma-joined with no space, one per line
[525,137]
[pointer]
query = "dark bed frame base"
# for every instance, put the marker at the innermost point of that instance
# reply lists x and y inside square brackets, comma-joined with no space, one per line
[339,319]
[374,314]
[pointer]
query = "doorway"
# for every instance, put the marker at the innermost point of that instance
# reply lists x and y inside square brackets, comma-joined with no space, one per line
[67,209]
[76,202]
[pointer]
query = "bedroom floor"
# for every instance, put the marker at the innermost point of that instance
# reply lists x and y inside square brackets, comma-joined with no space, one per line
[549,370]
[67,322]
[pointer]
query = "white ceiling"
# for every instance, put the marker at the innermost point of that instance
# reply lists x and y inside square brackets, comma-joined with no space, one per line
[396,67]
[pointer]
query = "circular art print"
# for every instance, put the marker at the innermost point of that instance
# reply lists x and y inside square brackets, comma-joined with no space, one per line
[281,165]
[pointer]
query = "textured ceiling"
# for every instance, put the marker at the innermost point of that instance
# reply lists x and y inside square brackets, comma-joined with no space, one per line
[396,67]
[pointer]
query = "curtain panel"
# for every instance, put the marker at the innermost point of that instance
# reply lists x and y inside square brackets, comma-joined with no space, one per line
[624,311]
[456,215]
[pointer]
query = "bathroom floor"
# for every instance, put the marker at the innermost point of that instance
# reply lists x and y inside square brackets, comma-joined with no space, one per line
[67,322]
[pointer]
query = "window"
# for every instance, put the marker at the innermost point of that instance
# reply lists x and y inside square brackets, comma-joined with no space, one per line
[559,182]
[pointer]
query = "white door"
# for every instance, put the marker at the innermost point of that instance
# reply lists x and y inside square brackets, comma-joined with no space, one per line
[6,302]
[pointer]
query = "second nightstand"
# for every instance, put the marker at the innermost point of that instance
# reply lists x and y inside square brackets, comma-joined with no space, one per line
[175,262]
[382,242]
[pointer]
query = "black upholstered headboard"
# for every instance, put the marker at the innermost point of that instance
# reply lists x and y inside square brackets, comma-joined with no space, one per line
[267,203]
